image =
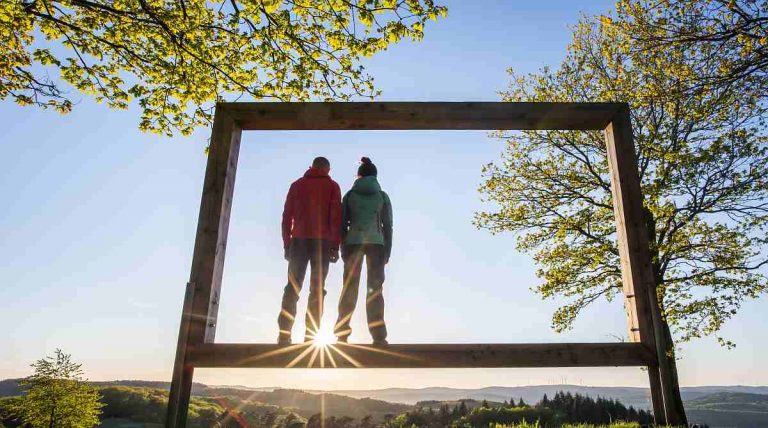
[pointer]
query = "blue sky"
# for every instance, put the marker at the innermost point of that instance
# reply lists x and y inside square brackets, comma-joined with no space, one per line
[96,237]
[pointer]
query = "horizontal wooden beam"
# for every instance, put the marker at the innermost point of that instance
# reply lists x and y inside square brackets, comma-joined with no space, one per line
[421,115]
[420,355]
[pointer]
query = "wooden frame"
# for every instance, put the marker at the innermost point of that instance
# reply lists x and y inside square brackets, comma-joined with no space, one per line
[196,346]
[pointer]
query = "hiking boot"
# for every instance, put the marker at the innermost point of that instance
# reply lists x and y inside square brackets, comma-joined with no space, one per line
[283,340]
[341,339]
[380,342]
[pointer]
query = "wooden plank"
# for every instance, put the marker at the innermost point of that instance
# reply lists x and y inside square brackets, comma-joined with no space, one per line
[181,379]
[657,396]
[630,230]
[637,272]
[421,115]
[421,355]
[212,227]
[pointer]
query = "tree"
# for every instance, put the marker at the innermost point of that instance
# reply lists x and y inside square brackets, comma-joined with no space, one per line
[56,395]
[703,164]
[178,58]
[736,29]
[294,421]
[315,421]
[463,410]
[367,422]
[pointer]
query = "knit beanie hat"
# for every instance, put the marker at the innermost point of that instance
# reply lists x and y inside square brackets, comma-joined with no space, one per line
[366,168]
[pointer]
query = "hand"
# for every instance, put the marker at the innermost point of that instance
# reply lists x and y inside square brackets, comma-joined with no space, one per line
[286,255]
[334,255]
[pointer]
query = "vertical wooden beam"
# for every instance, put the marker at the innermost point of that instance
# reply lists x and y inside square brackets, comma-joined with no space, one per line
[213,225]
[199,321]
[657,395]
[637,274]
[181,379]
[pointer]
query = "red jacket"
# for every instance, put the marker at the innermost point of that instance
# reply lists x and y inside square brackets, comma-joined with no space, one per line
[313,209]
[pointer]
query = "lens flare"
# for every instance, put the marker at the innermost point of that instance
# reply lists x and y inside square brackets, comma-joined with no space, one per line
[323,337]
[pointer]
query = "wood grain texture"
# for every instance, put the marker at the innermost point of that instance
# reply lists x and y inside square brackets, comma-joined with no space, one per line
[305,355]
[632,239]
[213,226]
[420,115]
[181,379]
[637,273]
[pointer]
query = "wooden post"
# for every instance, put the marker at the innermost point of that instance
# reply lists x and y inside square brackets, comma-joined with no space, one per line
[637,274]
[207,259]
[213,225]
[183,371]
[657,395]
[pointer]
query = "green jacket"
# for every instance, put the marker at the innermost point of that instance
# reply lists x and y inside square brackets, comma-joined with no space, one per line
[366,215]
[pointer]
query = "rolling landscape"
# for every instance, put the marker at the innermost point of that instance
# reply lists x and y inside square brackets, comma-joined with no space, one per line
[715,406]
[375,213]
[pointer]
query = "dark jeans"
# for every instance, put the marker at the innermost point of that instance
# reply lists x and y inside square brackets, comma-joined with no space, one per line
[375,259]
[316,253]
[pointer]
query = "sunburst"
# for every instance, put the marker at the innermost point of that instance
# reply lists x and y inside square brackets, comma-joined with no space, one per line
[322,338]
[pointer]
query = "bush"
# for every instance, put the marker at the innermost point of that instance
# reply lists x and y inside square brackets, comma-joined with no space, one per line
[488,416]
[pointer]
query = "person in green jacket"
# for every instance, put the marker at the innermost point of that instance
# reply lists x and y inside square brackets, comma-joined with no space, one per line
[366,233]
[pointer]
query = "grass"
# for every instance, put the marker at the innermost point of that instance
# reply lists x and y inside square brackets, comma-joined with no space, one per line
[536,425]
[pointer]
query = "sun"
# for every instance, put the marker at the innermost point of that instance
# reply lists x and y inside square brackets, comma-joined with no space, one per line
[323,337]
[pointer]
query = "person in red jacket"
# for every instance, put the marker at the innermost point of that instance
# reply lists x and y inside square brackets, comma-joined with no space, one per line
[311,235]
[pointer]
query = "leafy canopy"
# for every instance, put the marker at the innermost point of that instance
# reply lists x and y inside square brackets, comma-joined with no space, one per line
[57,396]
[703,162]
[736,30]
[177,58]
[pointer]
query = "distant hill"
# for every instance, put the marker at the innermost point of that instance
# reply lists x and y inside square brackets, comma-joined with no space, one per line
[692,393]
[302,403]
[9,387]
[307,404]
[470,403]
[637,397]
[630,396]
[729,409]
[731,401]
[197,388]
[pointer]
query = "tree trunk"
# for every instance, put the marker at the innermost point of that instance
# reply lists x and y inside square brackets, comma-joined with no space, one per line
[676,401]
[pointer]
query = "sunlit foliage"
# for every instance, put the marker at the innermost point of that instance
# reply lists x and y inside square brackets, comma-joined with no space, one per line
[560,411]
[735,30]
[177,58]
[703,163]
[56,396]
